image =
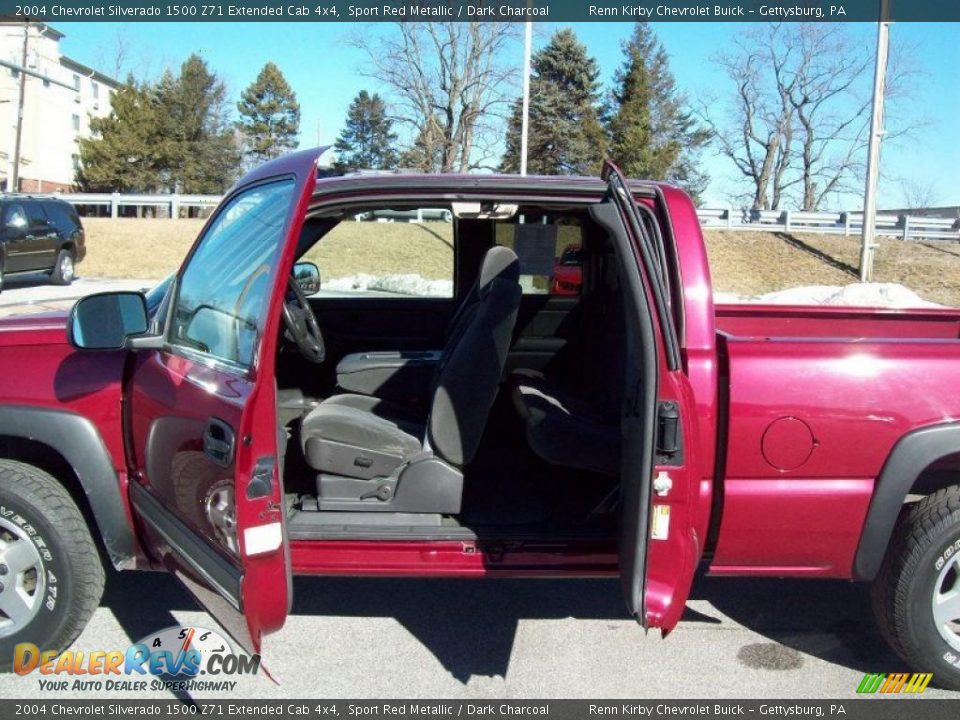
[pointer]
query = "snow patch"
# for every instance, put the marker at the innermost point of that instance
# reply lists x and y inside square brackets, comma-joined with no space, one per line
[400,284]
[883,295]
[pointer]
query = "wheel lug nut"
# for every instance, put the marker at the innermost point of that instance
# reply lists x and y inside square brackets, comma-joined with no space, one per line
[3,569]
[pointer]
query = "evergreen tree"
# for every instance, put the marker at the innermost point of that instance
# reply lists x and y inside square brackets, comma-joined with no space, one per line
[123,153]
[367,140]
[198,146]
[652,135]
[565,135]
[269,116]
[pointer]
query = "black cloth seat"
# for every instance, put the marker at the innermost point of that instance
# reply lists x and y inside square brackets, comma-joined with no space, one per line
[563,428]
[360,422]
[359,436]
[572,414]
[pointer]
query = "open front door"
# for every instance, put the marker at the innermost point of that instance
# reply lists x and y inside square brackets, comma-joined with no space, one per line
[200,411]
[659,543]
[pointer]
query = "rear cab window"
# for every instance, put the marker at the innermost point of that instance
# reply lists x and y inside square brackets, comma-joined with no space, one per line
[550,251]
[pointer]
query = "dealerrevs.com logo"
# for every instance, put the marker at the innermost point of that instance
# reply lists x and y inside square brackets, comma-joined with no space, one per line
[176,658]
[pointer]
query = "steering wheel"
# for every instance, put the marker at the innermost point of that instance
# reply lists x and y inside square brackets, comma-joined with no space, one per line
[302,327]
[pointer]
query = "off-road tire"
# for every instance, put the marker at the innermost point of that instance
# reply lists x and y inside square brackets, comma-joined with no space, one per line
[57,275]
[44,511]
[927,534]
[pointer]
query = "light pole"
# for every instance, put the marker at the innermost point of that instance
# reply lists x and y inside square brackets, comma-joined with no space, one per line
[525,120]
[15,184]
[867,238]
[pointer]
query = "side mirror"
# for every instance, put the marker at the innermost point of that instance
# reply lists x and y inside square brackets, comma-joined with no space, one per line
[105,321]
[307,275]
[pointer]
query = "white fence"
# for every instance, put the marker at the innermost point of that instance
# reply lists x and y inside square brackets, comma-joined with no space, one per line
[905,227]
[115,201]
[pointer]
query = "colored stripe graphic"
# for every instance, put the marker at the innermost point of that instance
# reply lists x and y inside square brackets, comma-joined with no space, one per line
[893,683]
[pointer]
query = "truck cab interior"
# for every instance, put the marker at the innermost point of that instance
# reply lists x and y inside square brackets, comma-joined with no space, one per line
[489,407]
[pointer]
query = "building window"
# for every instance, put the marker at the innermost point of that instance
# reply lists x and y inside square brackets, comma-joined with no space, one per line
[76,123]
[76,83]
[96,90]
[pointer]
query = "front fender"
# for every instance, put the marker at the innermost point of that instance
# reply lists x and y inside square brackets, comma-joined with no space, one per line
[912,454]
[77,440]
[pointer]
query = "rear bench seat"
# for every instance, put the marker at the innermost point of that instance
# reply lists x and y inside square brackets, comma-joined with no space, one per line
[563,428]
[572,415]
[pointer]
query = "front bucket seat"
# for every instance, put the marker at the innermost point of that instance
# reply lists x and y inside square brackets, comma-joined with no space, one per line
[374,455]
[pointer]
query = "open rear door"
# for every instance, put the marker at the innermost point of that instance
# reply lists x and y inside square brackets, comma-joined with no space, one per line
[200,409]
[659,544]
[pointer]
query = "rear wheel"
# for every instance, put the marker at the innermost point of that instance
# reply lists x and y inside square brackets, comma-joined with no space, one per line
[64,270]
[51,577]
[916,596]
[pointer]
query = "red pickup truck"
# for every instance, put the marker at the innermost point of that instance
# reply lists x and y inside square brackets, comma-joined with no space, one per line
[236,428]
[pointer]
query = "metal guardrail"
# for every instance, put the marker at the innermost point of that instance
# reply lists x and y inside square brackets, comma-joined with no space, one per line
[905,227]
[115,201]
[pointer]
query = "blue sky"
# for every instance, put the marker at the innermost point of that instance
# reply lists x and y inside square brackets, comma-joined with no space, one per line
[323,70]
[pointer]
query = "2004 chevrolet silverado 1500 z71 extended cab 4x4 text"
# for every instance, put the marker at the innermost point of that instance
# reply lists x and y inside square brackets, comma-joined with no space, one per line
[238,424]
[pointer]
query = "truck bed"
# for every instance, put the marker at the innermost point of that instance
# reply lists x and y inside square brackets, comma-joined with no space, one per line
[787,321]
[816,398]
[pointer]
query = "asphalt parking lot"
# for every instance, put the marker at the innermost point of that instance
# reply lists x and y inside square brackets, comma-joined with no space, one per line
[409,638]
[34,293]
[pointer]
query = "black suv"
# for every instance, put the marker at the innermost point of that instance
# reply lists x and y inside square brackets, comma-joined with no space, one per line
[39,234]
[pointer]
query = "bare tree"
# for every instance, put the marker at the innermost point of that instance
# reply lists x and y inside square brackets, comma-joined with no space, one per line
[448,86]
[756,132]
[809,85]
[919,194]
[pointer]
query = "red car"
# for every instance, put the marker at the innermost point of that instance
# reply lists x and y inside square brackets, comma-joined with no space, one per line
[235,429]
[568,272]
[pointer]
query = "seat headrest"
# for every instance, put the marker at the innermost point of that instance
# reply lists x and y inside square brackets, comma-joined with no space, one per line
[498,263]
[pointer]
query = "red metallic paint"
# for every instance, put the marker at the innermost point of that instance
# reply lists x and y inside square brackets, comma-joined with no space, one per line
[445,558]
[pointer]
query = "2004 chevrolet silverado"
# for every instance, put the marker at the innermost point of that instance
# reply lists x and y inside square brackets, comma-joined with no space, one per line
[241,424]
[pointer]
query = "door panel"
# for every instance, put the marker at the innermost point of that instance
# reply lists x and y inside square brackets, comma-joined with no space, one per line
[16,228]
[41,240]
[200,412]
[357,324]
[363,324]
[659,544]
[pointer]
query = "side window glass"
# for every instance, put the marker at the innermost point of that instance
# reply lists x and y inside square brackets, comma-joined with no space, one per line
[550,252]
[36,215]
[388,251]
[223,292]
[15,217]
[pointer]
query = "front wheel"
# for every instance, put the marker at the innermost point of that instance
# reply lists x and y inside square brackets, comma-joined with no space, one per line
[64,271]
[51,577]
[916,596]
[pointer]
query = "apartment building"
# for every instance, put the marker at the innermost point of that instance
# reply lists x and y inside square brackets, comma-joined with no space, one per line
[60,97]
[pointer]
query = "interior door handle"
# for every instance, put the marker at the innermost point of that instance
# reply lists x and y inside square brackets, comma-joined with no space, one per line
[219,442]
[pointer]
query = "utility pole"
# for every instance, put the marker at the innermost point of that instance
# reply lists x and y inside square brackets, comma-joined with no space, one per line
[525,121]
[867,241]
[15,185]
